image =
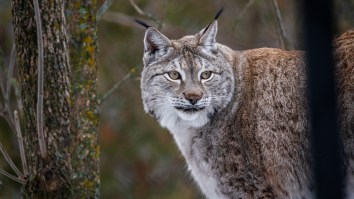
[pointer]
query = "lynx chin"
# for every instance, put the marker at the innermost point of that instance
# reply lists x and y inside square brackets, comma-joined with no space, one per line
[240,118]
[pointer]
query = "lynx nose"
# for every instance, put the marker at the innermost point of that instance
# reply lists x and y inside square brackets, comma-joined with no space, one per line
[193,97]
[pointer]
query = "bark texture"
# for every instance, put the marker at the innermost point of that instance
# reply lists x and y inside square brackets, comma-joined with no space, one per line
[84,119]
[70,102]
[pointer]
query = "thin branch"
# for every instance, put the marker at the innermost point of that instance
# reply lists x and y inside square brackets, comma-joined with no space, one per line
[5,110]
[18,100]
[4,114]
[40,122]
[126,20]
[12,177]
[2,88]
[10,74]
[145,14]
[163,13]
[119,18]
[105,6]
[136,7]
[243,11]
[9,161]
[20,144]
[118,84]
[280,24]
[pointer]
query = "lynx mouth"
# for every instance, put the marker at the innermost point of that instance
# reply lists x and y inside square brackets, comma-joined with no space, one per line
[189,109]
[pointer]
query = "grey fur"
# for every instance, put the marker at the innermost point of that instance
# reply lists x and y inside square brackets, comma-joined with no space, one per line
[248,134]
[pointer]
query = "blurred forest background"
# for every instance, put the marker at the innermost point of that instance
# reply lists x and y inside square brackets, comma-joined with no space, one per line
[138,158]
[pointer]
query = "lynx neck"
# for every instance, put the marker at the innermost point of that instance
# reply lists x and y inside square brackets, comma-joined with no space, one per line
[200,170]
[183,136]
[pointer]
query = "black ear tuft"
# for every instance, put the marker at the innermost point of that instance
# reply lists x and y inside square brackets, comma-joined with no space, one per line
[219,13]
[142,23]
[215,18]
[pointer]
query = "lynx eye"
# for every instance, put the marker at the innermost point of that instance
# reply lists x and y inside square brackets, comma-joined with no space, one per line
[205,75]
[174,75]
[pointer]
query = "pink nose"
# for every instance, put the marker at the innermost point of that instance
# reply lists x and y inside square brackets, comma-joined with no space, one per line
[193,97]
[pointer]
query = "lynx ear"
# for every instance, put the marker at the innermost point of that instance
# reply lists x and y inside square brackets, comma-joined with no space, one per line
[208,35]
[155,45]
[155,41]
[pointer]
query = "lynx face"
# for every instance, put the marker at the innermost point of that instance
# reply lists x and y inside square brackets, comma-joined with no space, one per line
[185,81]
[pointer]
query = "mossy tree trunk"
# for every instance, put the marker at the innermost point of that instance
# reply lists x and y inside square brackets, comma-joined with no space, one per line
[84,100]
[70,110]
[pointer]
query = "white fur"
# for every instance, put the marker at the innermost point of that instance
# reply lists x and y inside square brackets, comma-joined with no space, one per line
[188,116]
[183,128]
[183,132]
[350,195]
[350,188]
[170,117]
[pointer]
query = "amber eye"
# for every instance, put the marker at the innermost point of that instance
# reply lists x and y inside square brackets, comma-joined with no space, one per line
[205,75]
[174,75]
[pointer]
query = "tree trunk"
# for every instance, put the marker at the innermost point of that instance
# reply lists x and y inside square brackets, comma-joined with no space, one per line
[70,114]
[84,118]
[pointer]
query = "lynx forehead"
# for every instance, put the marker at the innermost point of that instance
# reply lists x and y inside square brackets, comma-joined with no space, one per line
[240,119]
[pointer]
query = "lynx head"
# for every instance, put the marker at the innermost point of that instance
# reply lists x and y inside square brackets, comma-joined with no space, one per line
[185,81]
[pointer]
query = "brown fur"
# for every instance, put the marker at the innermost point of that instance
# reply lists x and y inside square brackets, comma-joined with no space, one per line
[255,143]
[345,79]
[273,118]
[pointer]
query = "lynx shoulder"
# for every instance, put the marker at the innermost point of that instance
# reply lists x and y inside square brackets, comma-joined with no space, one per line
[240,118]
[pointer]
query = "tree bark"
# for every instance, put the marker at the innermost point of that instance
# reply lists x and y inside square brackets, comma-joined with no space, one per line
[70,101]
[84,118]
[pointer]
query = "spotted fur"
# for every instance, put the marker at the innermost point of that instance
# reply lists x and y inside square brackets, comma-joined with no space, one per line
[248,134]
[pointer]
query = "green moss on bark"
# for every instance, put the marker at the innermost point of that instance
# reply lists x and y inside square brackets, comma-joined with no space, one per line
[84,103]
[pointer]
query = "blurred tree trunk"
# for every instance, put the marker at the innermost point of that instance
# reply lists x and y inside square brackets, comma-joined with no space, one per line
[84,117]
[70,110]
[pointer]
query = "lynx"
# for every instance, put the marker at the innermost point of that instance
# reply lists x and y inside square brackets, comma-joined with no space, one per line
[240,118]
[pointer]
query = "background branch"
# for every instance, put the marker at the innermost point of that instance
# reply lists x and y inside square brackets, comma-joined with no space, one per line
[145,14]
[238,18]
[13,122]
[119,83]
[2,88]
[12,177]
[10,162]
[20,144]
[5,109]
[10,74]
[40,60]
[5,113]
[128,21]
[103,9]
[280,26]
[119,18]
